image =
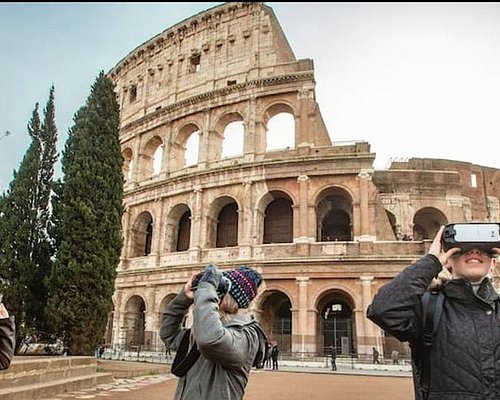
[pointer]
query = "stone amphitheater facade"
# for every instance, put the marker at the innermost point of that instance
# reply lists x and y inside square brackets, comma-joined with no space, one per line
[323,227]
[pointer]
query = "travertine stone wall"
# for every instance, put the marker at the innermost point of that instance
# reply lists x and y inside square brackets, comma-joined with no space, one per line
[233,63]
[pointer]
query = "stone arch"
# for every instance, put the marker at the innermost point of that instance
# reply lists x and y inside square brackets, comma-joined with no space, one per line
[142,235]
[134,322]
[222,222]
[280,127]
[277,217]
[336,324]
[183,153]
[146,165]
[426,223]
[276,308]
[229,137]
[334,215]
[128,165]
[178,228]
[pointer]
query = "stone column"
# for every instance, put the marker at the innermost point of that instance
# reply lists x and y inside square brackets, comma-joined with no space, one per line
[245,228]
[196,218]
[150,317]
[367,336]
[118,339]
[302,329]
[365,231]
[302,233]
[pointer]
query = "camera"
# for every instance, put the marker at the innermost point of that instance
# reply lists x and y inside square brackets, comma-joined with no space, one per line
[472,235]
[222,289]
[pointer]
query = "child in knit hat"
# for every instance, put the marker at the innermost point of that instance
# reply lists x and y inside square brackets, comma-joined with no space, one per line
[214,357]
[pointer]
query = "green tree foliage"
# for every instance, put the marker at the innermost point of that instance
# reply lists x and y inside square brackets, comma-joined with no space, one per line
[19,235]
[42,248]
[87,223]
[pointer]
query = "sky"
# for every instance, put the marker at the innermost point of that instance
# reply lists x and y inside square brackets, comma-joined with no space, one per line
[412,79]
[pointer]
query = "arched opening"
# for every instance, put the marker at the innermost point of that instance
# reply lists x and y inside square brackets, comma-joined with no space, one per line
[142,235]
[278,220]
[157,160]
[148,158]
[334,216]
[184,232]
[232,146]
[227,226]
[134,323]
[427,222]
[192,146]
[336,324]
[277,319]
[280,132]
[127,164]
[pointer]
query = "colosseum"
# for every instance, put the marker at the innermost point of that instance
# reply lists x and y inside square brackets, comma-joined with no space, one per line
[228,160]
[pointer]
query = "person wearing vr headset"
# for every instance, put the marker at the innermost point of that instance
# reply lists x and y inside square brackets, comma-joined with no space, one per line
[215,355]
[459,358]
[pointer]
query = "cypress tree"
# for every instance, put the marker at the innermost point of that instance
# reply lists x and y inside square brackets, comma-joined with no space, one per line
[87,222]
[18,235]
[43,251]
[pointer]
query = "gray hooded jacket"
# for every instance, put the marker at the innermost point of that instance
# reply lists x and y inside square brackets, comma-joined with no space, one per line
[228,348]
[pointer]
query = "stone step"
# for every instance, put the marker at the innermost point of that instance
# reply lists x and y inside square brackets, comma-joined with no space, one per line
[37,376]
[35,370]
[38,391]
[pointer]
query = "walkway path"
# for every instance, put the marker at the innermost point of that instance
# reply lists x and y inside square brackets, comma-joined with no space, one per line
[288,383]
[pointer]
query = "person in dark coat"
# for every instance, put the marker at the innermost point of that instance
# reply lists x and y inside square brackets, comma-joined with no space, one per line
[465,352]
[7,337]
[275,351]
[375,356]
[333,356]
[268,359]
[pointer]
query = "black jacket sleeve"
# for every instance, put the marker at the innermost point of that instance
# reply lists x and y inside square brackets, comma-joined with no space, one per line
[396,307]
[7,341]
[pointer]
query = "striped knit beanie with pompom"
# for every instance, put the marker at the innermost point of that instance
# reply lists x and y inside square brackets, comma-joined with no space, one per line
[245,282]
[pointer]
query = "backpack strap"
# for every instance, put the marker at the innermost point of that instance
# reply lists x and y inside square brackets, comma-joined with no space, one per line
[432,306]
[185,357]
[263,349]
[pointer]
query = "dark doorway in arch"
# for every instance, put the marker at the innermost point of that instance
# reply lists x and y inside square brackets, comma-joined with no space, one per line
[278,222]
[336,326]
[184,232]
[135,323]
[149,238]
[277,319]
[336,227]
[227,226]
[282,330]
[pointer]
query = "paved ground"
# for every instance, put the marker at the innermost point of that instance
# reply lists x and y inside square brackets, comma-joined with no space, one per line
[288,384]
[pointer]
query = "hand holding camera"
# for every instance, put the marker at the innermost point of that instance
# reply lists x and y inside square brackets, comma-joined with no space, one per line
[214,276]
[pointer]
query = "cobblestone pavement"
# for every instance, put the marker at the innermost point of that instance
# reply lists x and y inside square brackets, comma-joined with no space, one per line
[263,384]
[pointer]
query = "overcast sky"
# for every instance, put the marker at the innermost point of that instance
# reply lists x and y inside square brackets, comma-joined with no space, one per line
[412,79]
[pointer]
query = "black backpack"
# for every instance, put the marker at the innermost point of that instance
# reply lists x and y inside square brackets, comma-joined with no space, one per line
[432,308]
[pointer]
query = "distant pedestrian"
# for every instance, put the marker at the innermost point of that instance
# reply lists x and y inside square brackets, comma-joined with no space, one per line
[375,355]
[268,353]
[334,359]
[275,351]
[395,357]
